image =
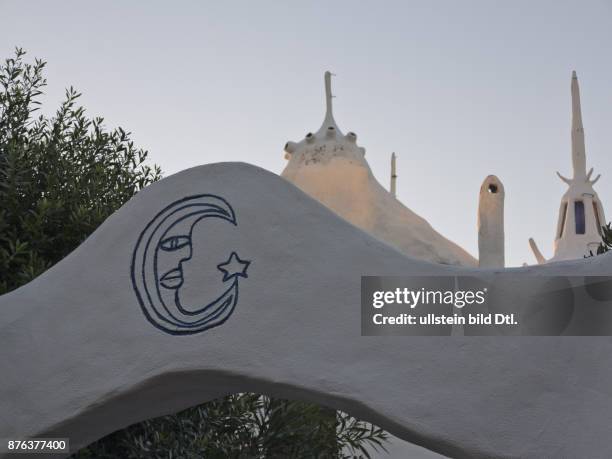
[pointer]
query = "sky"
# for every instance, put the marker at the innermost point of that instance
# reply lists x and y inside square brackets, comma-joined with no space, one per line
[459,90]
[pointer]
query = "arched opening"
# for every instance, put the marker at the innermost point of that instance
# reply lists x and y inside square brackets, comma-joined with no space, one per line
[238,422]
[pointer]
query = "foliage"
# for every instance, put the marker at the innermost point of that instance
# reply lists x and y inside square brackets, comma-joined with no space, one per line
[606,240]
[243,426]
[60,177]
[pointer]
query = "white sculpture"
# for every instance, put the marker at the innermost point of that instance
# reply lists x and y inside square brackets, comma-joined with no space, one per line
[331,167]
[581,214]
[491,224]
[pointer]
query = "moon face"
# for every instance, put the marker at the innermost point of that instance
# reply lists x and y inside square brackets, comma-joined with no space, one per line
[163,247]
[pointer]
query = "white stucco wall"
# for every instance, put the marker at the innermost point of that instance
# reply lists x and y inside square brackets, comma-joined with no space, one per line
[80,359]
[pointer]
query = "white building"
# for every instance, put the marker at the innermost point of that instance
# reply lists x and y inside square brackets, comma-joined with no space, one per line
[330,166]
[581,214]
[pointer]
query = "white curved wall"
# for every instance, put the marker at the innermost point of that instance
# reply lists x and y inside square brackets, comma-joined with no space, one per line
[81,359]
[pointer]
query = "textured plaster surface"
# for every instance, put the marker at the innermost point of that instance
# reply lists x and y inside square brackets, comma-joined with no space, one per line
[347,186]
[80,360]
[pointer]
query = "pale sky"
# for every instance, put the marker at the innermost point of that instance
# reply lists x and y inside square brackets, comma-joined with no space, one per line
[459,90]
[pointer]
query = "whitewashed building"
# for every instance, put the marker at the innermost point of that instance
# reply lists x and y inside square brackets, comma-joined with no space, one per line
[581,213]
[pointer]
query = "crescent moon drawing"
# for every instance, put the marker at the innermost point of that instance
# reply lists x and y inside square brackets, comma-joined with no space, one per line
[157,271]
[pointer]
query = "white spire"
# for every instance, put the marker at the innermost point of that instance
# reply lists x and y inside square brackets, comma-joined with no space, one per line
[578,146]
[328,138]
[329,115]
[328,96]
[393,175]
[581,213]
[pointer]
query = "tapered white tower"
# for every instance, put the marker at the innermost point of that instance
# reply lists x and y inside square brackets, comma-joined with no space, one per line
[581,214]
[491,239]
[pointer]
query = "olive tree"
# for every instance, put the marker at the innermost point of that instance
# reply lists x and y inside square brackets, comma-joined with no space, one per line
[60,178]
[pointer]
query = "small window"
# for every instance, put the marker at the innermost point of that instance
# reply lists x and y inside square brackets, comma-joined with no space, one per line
[562,222]
[579,216]
[597,221]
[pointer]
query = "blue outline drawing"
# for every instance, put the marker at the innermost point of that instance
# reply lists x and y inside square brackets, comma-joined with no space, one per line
[172,316]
